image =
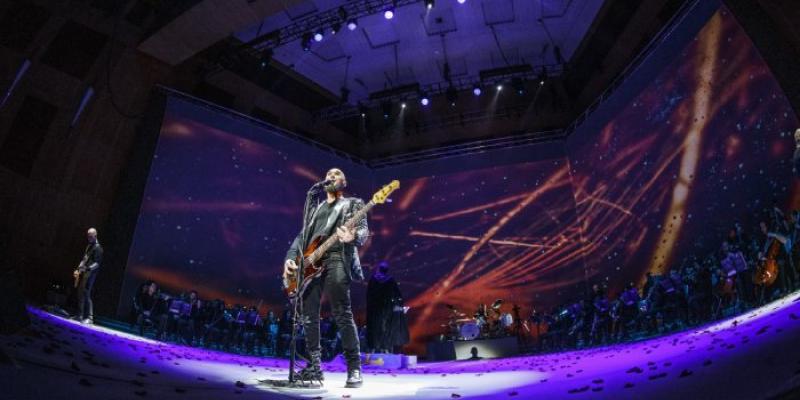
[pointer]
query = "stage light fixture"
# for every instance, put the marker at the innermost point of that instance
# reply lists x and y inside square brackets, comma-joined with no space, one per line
[336,27]
[318,36]
[476,90]
[462,1]
[499,87]
[424,100]
[519,85]
[386,106]
[403,105]
[452,95]
[266,57]
[352,24]
[389,13]
[542,77]
[305,41]
[429,4]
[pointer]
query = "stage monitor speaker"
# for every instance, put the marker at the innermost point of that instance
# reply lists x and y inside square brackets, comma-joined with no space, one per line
[13,315]
[472,349]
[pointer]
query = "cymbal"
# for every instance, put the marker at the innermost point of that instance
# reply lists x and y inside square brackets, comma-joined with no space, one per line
[465,320]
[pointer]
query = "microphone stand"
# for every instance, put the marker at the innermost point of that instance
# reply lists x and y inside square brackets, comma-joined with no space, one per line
[297,303]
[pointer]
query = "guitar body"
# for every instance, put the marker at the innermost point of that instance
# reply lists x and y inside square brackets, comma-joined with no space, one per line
[311,270]
[77,274]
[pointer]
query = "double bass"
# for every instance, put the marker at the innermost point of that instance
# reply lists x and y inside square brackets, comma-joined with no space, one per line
[767,268]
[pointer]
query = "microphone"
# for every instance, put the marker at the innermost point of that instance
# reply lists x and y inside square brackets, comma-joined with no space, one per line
[322,183]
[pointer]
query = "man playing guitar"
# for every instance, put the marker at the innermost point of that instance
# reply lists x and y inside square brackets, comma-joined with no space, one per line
[85,275]
[341,265]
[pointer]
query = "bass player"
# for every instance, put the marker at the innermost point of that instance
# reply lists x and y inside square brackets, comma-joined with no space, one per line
[341,266]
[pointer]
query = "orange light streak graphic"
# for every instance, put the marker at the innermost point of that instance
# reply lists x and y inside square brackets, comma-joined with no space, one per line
[472,210]
[475,239]
[446,286]
[691,147]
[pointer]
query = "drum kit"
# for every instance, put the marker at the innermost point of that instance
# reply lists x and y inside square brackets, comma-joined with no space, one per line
[486,322]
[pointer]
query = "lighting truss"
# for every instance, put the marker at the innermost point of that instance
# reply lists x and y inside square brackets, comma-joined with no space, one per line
[412,91]
[320,20]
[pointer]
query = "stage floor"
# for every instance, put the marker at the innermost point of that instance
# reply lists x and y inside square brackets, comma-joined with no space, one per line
[755,355]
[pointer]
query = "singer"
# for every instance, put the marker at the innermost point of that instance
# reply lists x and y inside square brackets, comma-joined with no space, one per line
[341,266]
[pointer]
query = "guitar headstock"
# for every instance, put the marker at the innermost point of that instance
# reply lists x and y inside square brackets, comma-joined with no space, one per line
[380,196]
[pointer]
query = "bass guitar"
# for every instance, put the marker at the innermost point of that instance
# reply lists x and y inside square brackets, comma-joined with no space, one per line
[80,270]
[309,261]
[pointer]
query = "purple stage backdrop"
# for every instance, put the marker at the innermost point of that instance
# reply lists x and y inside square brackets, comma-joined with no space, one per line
[221,206]
[706,142]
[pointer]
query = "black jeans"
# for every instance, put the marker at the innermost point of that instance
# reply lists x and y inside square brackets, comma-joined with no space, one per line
[336,283]
[85,307]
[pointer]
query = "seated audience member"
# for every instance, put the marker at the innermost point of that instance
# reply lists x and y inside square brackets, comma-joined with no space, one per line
[144,304]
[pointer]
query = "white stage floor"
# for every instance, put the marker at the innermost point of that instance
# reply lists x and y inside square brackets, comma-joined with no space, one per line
[756,355]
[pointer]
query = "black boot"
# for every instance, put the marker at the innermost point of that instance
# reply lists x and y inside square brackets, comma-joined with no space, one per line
[312,371]
[354,378]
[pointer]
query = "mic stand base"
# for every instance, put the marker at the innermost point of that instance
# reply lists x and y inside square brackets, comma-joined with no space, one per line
[297,303]
[287,384]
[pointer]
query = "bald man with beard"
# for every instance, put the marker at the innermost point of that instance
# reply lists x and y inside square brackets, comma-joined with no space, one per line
[341,266]
[87,272]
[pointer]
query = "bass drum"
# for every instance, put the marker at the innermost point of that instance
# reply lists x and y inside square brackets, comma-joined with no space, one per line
[469,331]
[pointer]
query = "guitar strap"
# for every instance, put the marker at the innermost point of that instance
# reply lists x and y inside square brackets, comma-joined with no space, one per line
[333,216]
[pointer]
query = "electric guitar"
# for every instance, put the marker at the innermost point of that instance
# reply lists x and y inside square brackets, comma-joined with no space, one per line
[309,263]
[80,270]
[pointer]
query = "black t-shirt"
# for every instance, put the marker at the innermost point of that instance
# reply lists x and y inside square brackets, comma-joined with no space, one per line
[93,254]
[321,219]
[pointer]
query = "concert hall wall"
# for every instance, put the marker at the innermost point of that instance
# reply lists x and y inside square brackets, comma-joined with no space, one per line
[699,136]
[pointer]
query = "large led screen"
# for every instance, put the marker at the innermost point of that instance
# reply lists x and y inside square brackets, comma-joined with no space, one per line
[708,143]
[703,144]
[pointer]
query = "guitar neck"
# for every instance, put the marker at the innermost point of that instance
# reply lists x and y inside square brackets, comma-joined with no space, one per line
[333,239]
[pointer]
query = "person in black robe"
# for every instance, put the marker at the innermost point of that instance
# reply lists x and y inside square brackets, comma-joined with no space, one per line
[387,327]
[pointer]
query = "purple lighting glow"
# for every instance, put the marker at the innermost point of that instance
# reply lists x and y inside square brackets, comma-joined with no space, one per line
[716,360]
